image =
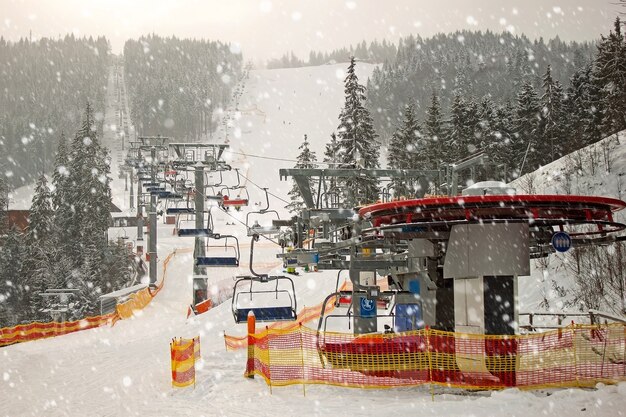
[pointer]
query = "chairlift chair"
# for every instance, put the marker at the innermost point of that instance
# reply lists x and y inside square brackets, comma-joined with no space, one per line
[177,208]
[236,202]
[220,261]
[184,230]
[257,228]
[285,311]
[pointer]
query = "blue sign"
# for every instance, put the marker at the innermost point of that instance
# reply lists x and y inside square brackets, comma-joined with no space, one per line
[561,242]
[368,307]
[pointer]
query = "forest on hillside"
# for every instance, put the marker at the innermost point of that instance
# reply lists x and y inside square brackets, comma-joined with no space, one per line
[176,84]
[524,103]
[472,64]
[45,86]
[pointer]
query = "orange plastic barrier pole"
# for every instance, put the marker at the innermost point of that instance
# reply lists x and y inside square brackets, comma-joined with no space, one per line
[251,330]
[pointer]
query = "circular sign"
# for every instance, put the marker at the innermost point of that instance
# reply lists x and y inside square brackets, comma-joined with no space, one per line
[561,242]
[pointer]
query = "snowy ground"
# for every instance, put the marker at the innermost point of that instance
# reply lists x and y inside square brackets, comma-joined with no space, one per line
[125,369]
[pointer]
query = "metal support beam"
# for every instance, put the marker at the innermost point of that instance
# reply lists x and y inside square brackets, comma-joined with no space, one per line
[132,189]
[139,210]
[152,237]
[352,173]
[199,250]
[303,184]
[363,265]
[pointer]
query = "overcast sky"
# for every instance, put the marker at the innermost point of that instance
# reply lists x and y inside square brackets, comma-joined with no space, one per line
[269,28]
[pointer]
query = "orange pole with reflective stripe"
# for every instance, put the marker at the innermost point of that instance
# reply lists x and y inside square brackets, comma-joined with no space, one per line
[251,331]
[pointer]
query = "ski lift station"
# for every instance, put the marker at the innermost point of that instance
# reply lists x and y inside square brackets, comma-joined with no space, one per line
[447,263]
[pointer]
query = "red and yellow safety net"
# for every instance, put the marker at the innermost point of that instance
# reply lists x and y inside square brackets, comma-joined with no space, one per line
[37,330]
[184,353]
[574,356]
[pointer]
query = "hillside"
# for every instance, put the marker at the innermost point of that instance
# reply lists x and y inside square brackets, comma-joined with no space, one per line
[599,170]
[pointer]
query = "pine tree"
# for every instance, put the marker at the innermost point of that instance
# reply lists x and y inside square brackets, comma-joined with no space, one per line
[578,109]
[61,202]
[331,156]
[502,148]
[357,141]
[86,203]
[434,130]
[406,151]
[596,105]
[89,191]
[89,283]
[552,120]
[117,267]
[526,126]
[41,214]
[305,159]
[14,291]
[331,151]
[485,127]
[40,247]
[610,72]
[460,128]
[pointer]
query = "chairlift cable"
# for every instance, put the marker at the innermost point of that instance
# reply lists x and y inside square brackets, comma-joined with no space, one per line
[285,159]
[263,188]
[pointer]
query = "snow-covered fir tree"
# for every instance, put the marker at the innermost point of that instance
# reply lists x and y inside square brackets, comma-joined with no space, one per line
[331,157]
[435,135]
[406,151]
[305,159]
[484,131]
[41,215]
[459,133]
[358,144]
[610,71]
[526,125]
[40,247]
[14,292]
[552,117]
[583,110]
[61,202]
[89,188]
[331,151]
[502,150]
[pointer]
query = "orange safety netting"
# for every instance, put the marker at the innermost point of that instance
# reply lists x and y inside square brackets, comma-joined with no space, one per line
[574,356]
[37,330]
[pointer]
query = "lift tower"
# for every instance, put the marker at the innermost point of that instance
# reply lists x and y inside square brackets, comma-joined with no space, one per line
[199,158]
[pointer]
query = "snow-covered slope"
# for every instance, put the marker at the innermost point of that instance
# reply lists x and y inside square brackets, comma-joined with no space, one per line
[600,170]
[273,113]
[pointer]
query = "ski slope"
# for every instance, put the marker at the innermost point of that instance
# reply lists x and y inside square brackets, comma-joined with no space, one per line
[271,114]
[125,369]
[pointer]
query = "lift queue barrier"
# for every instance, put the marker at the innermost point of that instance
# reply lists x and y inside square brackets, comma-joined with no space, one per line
[575,356]
[34,331]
